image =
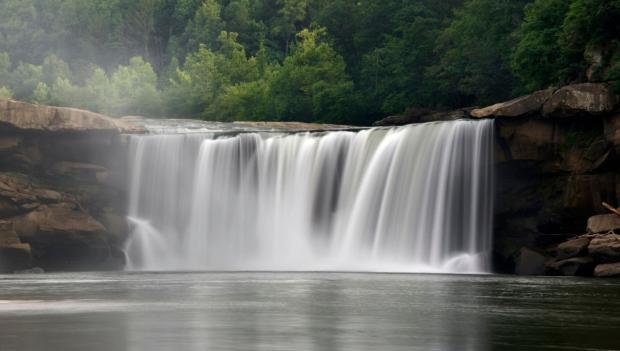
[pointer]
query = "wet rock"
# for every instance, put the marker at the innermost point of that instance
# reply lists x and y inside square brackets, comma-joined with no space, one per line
[580,266]
[530,262]
[579,99]
[14,254]
[607,270]
[64,237]
[572,248]
[521,106]
[603,223]
[605,248]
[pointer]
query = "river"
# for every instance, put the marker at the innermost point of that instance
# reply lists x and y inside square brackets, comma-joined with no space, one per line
[306,311]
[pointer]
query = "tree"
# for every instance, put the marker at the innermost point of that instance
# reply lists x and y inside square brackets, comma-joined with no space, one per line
[5,93]
[312,83]
[5,69]
[24,79]
[207,73]
[537,60]
[134,89]
[54,68]
[392,76]
[205,27]
[474,66]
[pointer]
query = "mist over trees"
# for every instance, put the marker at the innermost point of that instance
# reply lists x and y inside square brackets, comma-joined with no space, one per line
[341,61]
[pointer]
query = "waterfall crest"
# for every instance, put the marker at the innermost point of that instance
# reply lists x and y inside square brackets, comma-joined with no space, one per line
[417,198]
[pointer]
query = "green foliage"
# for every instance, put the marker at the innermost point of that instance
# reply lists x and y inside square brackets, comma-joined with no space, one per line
[25,79]
[312,60]
[537,58]
[41,94]
[205,27]
[5,66]
[134,89]
[5,93]
[476,49]
[555,36]
[312,82]
[206,75]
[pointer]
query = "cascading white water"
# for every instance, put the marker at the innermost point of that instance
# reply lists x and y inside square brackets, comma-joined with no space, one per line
[416,199]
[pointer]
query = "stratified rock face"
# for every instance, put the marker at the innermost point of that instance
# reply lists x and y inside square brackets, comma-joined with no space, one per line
[572,248]
[62,188]
[521,106]
[607,270]
[581,266]
[64,237]
[578,99]
[52,230]
[605,248]
[24,116]
[603,223]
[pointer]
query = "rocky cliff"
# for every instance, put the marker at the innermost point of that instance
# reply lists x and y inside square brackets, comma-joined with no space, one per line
[62,180]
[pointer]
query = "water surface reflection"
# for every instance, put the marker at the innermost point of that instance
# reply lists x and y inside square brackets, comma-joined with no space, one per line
[305,311]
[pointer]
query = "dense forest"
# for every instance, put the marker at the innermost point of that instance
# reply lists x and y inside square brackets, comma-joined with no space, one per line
[344,61]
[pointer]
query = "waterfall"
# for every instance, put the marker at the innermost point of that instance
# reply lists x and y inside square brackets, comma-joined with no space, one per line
[417,198]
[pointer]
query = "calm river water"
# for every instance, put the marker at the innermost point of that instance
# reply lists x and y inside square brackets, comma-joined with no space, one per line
[306,311]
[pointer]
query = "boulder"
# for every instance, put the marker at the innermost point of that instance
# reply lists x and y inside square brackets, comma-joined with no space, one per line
[603,223]
[29,117]
[521,106]
[605,248]
[530,262]
[581,266]
[64,237]
[572,248]
[579,99]
[14,255]
[18,195]
[607,270]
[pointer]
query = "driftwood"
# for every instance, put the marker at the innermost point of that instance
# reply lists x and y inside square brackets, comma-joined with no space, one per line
[611,208]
